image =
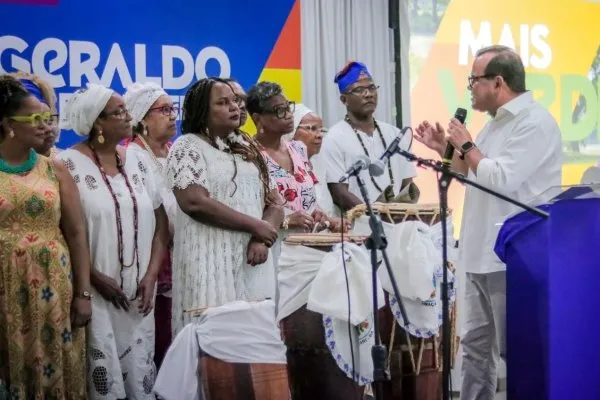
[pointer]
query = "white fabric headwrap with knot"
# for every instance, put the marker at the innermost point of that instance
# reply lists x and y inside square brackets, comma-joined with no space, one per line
[84,107]
[140,97]
[300,112]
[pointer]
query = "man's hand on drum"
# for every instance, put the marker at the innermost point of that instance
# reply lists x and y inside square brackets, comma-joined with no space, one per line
[337,226]
[301,220]
[257,252]
[431,136]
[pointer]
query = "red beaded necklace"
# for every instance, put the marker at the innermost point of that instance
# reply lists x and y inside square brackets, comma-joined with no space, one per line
[136,258]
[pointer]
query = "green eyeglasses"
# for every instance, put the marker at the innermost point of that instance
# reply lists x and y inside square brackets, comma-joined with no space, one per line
[37,119]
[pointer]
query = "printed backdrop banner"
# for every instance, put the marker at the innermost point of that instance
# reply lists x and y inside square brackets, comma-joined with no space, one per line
[559,44]
[114,43]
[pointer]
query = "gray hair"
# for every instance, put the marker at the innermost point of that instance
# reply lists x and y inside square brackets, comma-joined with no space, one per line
[259,94]
[507,64]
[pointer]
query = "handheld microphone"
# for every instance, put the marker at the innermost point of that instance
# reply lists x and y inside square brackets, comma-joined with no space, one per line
[361,163]
[461,115]
[378,167]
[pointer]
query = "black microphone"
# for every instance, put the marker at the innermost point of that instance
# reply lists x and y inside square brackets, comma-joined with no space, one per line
[461,115]
[378,167]
[361,163]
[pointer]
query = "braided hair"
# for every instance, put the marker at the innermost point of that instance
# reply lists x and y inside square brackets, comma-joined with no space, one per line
[12,95]
[196,110]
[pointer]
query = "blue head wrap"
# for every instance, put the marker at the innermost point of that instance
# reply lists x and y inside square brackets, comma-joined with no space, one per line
[352,72]
[33,90]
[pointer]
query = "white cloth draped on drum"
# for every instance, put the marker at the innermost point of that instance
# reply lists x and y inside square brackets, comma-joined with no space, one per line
[356,261]
[415,252]
[316,278]
[237,332]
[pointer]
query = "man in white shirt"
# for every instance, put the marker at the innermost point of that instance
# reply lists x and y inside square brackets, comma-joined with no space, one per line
[359,134]
[518,153]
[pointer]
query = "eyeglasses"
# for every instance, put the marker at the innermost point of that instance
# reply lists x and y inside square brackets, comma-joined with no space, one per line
[37,119]
[280,112]
[121,113]
[313,128]
[362,90]
[167,111]
[473,79]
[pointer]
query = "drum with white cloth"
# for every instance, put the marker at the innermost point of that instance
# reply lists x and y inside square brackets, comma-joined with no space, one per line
[320,348]
[231,352]
[414,248]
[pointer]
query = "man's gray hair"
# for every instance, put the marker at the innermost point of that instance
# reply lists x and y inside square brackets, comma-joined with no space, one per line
[507,64]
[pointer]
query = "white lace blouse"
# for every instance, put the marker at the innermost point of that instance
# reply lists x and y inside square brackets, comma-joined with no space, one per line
[210,263]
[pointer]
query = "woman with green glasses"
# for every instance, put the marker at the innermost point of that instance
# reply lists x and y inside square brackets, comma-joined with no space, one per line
[44,259]
[44,92]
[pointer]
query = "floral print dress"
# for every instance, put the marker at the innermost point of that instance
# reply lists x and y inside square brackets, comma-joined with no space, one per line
[41,356]
[298,187]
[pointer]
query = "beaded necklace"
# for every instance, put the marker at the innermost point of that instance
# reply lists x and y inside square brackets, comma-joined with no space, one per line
[136,258]
[349,122]
[149,150]
[20,169]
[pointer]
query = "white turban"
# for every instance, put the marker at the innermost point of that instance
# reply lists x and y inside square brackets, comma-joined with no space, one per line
[139,99]
[300,112]
[84,107]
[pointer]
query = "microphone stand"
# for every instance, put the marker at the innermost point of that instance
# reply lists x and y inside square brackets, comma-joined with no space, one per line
[444,179]
[378,241]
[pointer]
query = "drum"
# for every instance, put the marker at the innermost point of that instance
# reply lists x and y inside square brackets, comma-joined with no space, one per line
[313,371]
[395,213]
[414,355]
[241,354]
[242,381]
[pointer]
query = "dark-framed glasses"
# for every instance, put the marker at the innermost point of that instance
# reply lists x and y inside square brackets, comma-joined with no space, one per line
[363,90]
[281,111]
[120,113]
[473,79]
[37,119]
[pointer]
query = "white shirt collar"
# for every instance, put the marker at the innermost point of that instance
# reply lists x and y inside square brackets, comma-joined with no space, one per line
[515,106]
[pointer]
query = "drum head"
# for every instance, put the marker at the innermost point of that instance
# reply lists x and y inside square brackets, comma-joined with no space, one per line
[322,239]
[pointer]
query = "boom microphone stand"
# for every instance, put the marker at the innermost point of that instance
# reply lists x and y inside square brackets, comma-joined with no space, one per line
[445,177]
[378,241]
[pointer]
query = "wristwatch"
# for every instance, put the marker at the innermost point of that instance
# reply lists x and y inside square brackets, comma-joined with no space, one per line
[465,148]
[84,295]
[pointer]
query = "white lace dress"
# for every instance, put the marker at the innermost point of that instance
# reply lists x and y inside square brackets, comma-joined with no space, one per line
[211,262]
[120,344]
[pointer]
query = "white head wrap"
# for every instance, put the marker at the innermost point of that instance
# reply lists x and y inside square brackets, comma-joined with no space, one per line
[299,112]
[139,99]
[84,107]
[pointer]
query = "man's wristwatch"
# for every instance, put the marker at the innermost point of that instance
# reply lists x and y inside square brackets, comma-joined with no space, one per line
[465,148]
[84,295]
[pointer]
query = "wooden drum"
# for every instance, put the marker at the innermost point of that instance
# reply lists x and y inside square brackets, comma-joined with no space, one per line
[395,213]
[313,372]
[415,362]
[238,381]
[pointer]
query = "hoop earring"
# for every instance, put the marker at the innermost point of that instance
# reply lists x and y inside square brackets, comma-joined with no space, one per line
[100,137]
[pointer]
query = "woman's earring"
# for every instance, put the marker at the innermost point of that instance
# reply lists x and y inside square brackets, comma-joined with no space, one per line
[100,138]
[145,132]
[11,134]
